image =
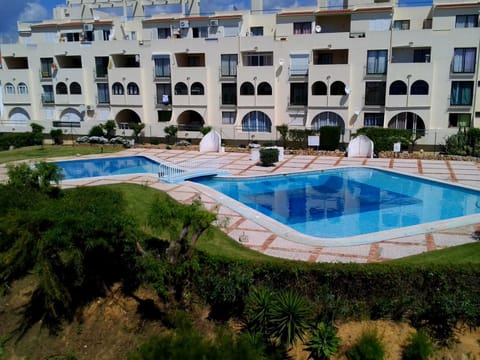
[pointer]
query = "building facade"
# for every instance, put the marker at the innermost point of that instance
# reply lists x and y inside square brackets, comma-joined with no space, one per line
[352,63]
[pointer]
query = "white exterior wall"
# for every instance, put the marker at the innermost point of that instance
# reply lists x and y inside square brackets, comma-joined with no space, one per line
[279,39]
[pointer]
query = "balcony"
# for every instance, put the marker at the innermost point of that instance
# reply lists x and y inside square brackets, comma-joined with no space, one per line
[48,99]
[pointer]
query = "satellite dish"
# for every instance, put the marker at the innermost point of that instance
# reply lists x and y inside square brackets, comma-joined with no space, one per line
[318,29]
[347,90]
[281,62]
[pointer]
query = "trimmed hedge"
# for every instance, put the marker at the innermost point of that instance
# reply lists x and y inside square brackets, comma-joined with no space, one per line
[383,138]
[268,157]
[330,137]
[18,140]
[433,296]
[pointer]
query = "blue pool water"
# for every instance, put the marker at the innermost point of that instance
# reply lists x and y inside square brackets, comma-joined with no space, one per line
[349,201]
[78,169]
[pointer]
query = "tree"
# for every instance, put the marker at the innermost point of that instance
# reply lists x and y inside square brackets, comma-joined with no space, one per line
[137,129]
[171,132]
[40,176]
[110,127]
[283,130]
[37,131]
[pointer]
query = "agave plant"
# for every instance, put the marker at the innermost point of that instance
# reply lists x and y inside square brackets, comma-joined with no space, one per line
[323,342]
[289,317]
[258,308]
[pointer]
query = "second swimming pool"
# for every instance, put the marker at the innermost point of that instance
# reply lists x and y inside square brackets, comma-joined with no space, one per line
[349,202]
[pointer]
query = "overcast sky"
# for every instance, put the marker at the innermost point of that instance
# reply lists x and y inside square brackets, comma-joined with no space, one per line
[37,10]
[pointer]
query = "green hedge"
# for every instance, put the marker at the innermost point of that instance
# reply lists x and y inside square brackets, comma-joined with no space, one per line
[18,140]
[268,157]
[383,139]
[435,296]
[330,137]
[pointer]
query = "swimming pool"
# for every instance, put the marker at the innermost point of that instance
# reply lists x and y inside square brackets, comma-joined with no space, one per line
[361,204]
[87,168]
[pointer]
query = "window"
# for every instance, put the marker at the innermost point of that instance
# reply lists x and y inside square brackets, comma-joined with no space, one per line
[103,94]
[75,88]
[464,60]
[247,89]
[228,117]
[47,96]
[375,93]
[325,59]
[9,89]
[421,55]
[197,89]
[377,61]
[419,87]
[373,119]
[22,89]
[200,32]
[299,64]
[229,94]
[162,65]
[132,89]
[459,120]
[299,94]
[337,88]
[61,89]
[258,59]
[327,118]
[461,93]
[407,120]
[401,25]
[181,89]
[264,88]
[398,88]
[72,37]
[164,94]
[319,88]
[229,64]
[106,35]
[46,65]
[256,121]
[302,27]
[164,33]
[101,67]
[466,21]
[117,89]
[256,31]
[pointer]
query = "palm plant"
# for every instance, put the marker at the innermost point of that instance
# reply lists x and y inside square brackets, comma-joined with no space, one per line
[323,342]
[289,317]
[258,306]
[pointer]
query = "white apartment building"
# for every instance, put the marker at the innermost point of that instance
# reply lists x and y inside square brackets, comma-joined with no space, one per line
[351,63]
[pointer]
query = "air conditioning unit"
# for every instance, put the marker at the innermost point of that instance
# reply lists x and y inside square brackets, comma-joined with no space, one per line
[213,23]
[87,27]
[184,24]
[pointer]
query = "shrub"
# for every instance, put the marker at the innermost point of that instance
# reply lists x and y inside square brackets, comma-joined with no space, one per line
[57,136]
[330,137]
[110,127]
[283,130]
[205,130]
[323,342]
[96,130]
[383,139]
[367,347]
[171,132]
[268,157]
[419,346]
[298,139]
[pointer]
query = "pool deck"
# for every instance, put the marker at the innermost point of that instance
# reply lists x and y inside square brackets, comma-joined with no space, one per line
[243,226]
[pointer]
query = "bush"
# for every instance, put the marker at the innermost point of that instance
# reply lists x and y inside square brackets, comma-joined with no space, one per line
[268,157]
[323,342]
[367,347]
[419,347]
[97,131]
[57,136]
[330,137]
[383,139]
[17,140]
[298,139]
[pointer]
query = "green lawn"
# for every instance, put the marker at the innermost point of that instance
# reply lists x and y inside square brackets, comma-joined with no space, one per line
[50,151]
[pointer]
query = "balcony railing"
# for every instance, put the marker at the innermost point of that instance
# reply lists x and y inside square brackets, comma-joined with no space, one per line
[48,99]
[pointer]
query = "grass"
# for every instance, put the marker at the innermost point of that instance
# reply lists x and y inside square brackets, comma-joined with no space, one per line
[51,151]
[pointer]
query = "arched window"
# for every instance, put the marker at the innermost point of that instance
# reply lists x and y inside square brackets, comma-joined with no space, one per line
[61,89]
[118,89]
[75,88]
[337,88]
[132,89]
[398,88]
[256,121]
[247,89]
[407,120]
[319,88]
[419,87]
[264,88]
[327,118]
[197,89]
[9,89]
[181,89]
[22,89]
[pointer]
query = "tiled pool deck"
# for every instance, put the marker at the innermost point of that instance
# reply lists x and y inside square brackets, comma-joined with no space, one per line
[258,238]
